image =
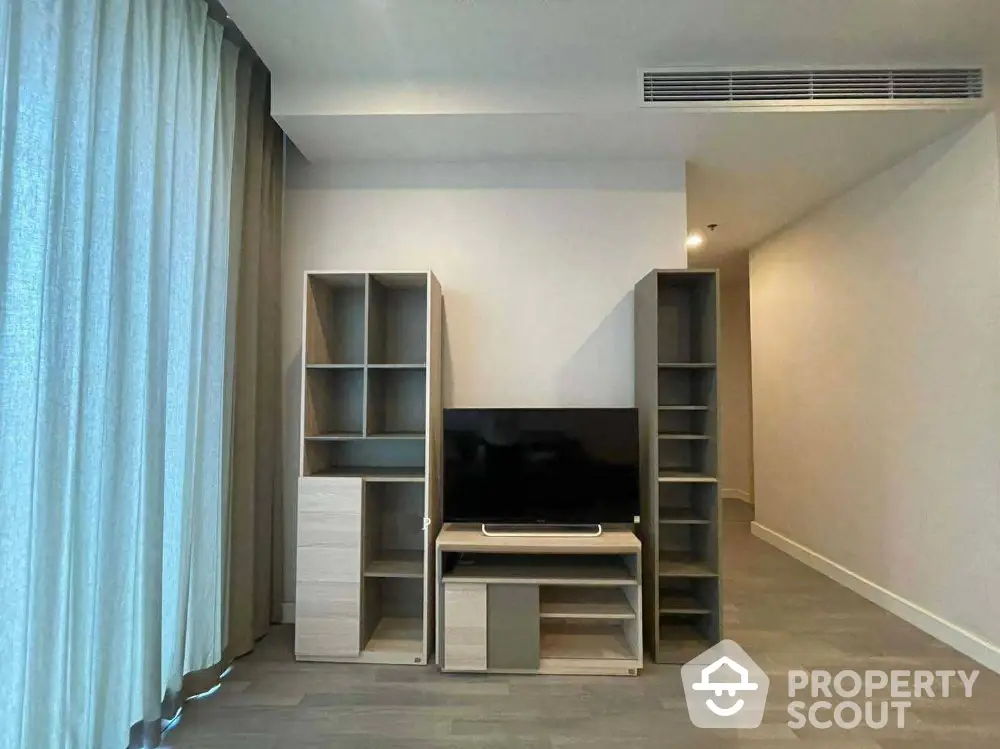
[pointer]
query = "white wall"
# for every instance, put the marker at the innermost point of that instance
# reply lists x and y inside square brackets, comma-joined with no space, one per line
[536,260]
[876,384]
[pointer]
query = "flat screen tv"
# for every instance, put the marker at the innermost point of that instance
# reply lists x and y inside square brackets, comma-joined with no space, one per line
[541,466]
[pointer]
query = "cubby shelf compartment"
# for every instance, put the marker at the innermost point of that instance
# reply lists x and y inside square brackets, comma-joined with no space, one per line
[364,457]
[333,401]
[335,319]
[683,638]
[676,389]
[682,605]
[682,516]
[371,407]
[392,619]
[682,565]
[580,641]
[396,638]
[397,319]
[403,564]
[393,530]
[589,604]
[397,402]
[542,569]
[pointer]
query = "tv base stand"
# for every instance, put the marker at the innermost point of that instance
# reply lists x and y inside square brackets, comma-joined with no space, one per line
[529,530]
[561,605]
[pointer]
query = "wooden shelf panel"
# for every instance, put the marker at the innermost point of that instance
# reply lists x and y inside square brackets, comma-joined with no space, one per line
[368,473]
[334,436]
[682,564]
[397,436]
[687,477]
[682,436]
[682,605]
[404,564]
[397,635]
[469,537]
[319,367]
[420,367]
[683,408]
[553,571]
[687,365]
[584,642]
[584,603]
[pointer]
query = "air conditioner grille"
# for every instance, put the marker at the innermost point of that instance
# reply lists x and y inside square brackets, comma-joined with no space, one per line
[682,87]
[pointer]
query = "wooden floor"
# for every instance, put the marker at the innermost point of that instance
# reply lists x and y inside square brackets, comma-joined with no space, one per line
[782,613]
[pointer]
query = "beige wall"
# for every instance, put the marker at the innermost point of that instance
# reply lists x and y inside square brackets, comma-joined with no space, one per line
[537,262]
[876,376]
[735,391]
[734,380]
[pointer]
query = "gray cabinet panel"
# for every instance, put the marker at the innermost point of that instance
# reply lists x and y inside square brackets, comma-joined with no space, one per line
[512,627]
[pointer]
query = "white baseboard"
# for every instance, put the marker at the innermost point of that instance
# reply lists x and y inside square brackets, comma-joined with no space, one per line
[288,613]
[978,649]
[736,494]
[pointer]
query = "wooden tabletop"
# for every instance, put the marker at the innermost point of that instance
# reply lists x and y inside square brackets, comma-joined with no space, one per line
[470,537]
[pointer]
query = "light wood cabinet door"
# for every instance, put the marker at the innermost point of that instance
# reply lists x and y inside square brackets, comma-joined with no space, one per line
[328,568]
[464,626]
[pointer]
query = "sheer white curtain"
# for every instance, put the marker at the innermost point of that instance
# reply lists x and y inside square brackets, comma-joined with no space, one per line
[116,144]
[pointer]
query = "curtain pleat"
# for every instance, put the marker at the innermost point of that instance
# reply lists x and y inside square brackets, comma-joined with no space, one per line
[116,161]
[255,446]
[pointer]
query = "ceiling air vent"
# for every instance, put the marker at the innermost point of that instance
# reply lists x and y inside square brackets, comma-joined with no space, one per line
[829,87]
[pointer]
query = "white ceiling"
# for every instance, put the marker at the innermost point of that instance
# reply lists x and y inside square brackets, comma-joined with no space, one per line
[481,79]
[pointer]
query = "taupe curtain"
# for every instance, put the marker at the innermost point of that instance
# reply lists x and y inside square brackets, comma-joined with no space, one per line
[253,354]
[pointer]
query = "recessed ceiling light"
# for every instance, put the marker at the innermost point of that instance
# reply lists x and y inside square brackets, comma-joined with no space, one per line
[694,240]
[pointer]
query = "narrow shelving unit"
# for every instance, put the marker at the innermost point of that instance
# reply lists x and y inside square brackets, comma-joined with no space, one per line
[676,390]
[369,468]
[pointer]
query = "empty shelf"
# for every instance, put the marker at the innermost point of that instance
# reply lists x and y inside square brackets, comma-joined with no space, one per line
[687,365]
[397,436]
[370,473]
[596,641]
[335,366]
[334,436]
[584,603]
[690,477]
[555,571]
[682,605]
[683,408]
[682,642]
[396,564]
[397,366]
[397,635]
[682,436]
[680,516]
[682,564]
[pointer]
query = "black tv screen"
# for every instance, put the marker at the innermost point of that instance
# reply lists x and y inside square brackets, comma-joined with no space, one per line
[565,466]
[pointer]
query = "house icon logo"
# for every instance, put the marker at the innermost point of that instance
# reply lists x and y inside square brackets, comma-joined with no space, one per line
[724,688]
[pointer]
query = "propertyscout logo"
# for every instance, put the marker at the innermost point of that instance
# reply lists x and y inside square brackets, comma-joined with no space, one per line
[724,688]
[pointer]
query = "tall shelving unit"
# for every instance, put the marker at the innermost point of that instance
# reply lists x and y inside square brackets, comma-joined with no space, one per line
[676,392]
[370,466]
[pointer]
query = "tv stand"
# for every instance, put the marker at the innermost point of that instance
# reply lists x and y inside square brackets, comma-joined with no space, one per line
[562,605]
[531,530]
